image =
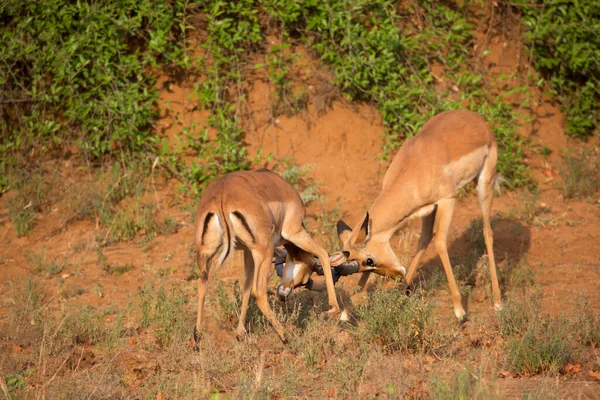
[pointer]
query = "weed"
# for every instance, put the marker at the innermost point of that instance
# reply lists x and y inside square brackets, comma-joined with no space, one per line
[465,384]
[521,275]
[327,227]
[528,210]
[75,73]
[295,175]
[569,65]
[33,194]
[22,216]
[581,174]
[475,233]
[397,322]
[314,343]
[39,264]
[166,313]
[14,382]
[518,312]
[587,324]
[70,290]
[544,347]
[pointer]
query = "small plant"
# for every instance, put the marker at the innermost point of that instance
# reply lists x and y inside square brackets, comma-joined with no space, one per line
[587,324]
[32,194]
[327,227]
[581,174]
[39,264]
[14,382]
[517,313]
[475,233]
[544,347]
[522,276]
[166,312]
[465,384]
[564,43]
[295,175]
[397,322]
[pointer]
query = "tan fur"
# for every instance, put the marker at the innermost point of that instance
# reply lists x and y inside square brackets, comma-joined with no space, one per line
[254,211]
[451,149]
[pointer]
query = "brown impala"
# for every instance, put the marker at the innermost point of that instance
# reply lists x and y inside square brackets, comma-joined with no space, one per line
[256,211]
[452,149]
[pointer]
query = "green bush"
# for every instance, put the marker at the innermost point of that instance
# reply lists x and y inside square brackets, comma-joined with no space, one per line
[381,55]
[565,44]
[79,71]
[581,174]
[397,322]
[544,347]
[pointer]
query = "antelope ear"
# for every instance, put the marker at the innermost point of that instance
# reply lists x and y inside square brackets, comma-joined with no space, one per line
[364,234]
[343,231]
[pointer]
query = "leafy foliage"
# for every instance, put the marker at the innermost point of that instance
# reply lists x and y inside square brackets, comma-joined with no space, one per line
[565,43]
[397,322]
[380,55]
[79,71]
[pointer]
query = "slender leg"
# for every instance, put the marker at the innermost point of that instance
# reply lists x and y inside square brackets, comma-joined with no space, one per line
[262,263]
[485,188]
[424,240]
[362,283]
[249,270]
[303,240]
[204,261]
[444,216]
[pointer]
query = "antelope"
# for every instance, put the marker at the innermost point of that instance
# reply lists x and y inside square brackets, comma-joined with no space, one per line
[256,211]
[452,149]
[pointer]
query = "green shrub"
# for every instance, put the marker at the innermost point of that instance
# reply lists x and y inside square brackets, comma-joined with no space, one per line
[581,174]
[517,313]
[544,347]
[587,324]
[166,312]
[79,72]
[380,54]
[398,322]
[563,37]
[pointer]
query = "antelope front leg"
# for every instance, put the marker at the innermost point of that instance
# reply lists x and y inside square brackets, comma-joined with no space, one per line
[303,240]
[424,240]
[444,216]
[262,266]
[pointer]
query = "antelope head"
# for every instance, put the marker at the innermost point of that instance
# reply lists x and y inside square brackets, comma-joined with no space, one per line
[295,268]
[366,252]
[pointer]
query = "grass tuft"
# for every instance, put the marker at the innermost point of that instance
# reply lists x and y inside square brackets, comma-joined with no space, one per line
[581,174]
[398,322]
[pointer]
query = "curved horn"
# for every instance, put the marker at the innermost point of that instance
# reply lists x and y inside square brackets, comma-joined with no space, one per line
[348,268]
[279,252]
[279,264]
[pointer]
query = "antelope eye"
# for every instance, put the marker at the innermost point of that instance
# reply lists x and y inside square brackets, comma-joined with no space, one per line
[369,262]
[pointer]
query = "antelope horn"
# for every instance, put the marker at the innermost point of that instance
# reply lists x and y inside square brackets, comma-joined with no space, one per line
[279,252]
[348,268]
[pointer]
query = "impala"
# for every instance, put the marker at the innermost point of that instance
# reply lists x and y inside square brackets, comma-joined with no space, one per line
[452,149]
[256,211]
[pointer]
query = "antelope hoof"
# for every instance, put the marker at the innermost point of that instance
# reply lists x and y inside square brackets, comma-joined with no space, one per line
[282,293]
[241,334]
[344,317]
[331,314]
[461,315]
[408,290]
[197,338]
[498,307]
